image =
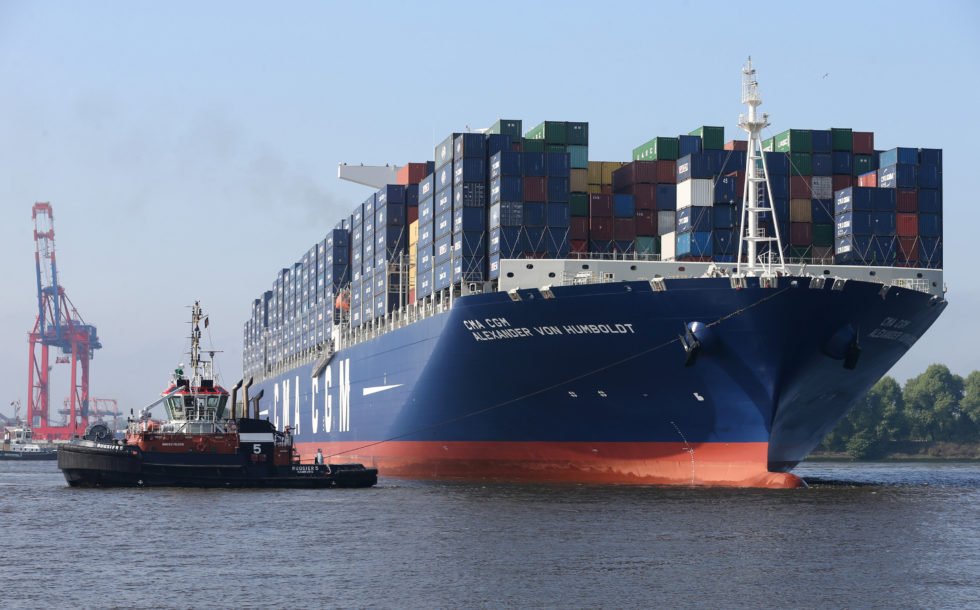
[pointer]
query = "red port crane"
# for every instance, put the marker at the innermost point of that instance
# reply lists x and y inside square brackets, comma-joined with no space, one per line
[58,326]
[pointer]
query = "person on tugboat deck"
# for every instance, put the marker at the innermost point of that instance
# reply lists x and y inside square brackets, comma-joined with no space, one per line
[319,457]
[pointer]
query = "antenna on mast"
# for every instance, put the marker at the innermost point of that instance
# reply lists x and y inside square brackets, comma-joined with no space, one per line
[757,195]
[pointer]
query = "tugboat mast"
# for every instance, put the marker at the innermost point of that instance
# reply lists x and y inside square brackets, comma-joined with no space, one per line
[757,195]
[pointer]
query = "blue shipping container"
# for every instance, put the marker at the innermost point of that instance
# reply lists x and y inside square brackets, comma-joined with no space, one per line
[666,197]
[506,164]
[931,156]
[624,206]
[909,156]
[469,170]
[822,212]
[884,200]
[929,202]
[559,215]
[725,190]
[497,142]
[928,176]
[444,177]
[534,214]
[843,162]
[821,140]
[854,198]
[443,224]
[470,145]
[884,223]
[854,223]
[695,218]
[506,188]
[470,194]
[897,176]
[444,201]
[725,216]
[535,163]
[558,189]
[688,145]
[697,165]
[469,243]
[821,164]
[930,225]
[694,243]
[469,219]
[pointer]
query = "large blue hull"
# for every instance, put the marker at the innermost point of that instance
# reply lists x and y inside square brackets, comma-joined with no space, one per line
[600,369]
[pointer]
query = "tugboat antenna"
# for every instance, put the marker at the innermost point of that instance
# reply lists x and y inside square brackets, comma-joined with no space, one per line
[757,194]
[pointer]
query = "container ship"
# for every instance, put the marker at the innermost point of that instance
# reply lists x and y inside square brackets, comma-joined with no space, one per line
[702,314]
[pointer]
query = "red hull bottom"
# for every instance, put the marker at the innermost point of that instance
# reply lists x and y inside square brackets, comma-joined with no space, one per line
[708,464]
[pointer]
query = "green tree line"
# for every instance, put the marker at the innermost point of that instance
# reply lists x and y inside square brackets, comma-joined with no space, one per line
[934,406]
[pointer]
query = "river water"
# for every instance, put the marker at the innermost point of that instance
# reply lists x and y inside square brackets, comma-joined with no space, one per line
[862,536]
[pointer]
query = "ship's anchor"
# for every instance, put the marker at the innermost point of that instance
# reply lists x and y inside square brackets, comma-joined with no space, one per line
[696,334]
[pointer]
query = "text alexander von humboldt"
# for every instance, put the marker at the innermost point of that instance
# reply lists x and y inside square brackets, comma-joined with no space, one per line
[493,329]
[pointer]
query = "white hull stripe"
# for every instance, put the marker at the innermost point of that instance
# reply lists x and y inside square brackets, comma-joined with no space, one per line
[255,437]
[380,388]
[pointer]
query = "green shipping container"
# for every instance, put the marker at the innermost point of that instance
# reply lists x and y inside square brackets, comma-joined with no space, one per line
[577,134]
[555,147]
[533,145]
[648,245]
[552,132]
[799,252]
[767,145]
[863,164]
[794,140]
[712,138]
[658,149]
[508,127]
[842,138]
[800,164]
[579,156]
[579,204]
[823,235]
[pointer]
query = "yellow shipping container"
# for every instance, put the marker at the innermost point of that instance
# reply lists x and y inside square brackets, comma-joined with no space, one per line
[800,210]
[579,180]
[594,189]
[413,238]
[600,172]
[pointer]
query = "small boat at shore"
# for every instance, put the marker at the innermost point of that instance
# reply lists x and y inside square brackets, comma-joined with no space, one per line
[18,445]
[199,444]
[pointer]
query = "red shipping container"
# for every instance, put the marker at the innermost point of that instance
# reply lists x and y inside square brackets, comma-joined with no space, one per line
[800,187]
[644,196]
[864,142]
[411,173]
[737,145]
[606,189]
[907,200]
[868,179]
[535,188]
[666,172]
[601,228]
[646,223]
[908,249]
[579,245]
[600,206]
[624,228]
[801,234]
[517,146]
[739,183]
[413,213]
[578,228]
[906,225]
[842,182]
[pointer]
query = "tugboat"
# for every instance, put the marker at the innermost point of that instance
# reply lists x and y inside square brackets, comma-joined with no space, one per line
[199,444]
[18,445]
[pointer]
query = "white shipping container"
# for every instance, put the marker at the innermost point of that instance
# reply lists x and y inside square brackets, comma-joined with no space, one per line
[823,187]
[695,192]
[668,246]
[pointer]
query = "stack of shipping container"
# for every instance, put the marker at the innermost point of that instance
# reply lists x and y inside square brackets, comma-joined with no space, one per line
[503,195]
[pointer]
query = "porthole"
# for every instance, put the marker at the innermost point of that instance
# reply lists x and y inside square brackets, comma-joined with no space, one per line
[918,275]
[510,274]
[551,274]
[585,266]
[872,273]
[530,266]
[632,267]
[681,269]
[826,271]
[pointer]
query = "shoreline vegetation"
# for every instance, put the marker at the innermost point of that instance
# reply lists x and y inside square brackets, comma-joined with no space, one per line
[935,416]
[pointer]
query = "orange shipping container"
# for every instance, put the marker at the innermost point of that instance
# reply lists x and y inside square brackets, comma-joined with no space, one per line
[410,173]
[800,210]
[579,182]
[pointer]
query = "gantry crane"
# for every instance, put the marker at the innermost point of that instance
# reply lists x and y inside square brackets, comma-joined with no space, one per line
[59,326]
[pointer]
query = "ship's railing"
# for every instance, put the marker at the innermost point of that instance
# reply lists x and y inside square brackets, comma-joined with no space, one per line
[912,284]
[613,256]
[371,329]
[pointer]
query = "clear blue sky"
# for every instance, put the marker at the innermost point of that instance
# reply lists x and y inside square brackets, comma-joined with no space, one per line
[190,148]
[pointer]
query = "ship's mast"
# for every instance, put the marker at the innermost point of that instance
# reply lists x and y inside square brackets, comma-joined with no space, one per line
[757,194]
[196,315]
